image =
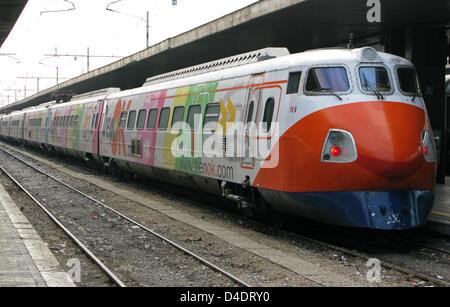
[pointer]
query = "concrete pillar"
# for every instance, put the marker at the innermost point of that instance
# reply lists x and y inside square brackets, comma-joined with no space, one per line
[429,55]
[394,41]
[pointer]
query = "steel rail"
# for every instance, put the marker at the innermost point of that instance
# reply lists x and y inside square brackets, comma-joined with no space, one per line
[384,263]
[177,246]
[67,231]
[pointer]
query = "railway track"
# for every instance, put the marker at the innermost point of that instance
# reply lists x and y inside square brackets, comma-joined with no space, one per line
[351,251]
[383,261]
[344,234]
[294,234]
[92,200]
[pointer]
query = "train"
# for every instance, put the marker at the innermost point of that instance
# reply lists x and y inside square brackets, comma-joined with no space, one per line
[337,135]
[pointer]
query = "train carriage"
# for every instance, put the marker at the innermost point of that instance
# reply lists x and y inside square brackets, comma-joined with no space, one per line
[4,128]
[35,126]
[17,122]
[72,127]
[353,144]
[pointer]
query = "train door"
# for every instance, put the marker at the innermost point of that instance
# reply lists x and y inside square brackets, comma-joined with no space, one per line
[251,107]
[97,120]
[48,125]
[267,124]
[9,126]
[22,127]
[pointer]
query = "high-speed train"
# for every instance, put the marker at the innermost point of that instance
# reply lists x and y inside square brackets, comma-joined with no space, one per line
[340,136]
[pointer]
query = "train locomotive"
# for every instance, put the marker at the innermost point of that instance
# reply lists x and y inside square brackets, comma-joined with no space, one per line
[341,136]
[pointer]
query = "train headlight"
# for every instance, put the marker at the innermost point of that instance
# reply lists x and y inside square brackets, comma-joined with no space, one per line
[429,150]
[339,147]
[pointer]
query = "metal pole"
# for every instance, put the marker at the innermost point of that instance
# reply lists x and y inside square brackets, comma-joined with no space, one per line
[87,59]
[57,75]
[37,87]
[148,26]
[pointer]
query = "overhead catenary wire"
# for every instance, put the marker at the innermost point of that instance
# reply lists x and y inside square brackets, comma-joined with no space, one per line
[163,238]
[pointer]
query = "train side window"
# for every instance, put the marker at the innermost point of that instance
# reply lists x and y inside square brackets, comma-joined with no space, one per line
[164,119]
[294,82]
[268,114]
[131,120]
[75,123]
[177,117]
[152,116]
[193,118]
[123,120]
[141,119]
[211,116]
[72,119]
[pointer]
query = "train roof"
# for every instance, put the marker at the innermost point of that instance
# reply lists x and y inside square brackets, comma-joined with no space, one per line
[281,60]
[87,97]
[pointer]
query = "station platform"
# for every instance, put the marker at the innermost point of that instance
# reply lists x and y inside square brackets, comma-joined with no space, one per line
[439,219]
[25,260]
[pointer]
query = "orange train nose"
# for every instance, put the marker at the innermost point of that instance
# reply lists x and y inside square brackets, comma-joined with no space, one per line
[389,138]
[388,144]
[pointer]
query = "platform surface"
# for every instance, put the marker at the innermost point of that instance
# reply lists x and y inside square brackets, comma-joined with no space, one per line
[25,260]
[439,219]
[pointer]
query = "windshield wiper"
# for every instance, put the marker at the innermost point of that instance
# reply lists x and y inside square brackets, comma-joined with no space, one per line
[374,89]
[328,90]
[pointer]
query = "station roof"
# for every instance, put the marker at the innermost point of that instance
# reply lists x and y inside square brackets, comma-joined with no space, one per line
[10,11]
[296,24]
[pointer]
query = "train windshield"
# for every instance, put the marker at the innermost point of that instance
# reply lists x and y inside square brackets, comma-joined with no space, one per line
[327,79]
[375,79]
[409,82]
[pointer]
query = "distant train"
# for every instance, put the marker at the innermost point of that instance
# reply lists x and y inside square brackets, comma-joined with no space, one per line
[340,136]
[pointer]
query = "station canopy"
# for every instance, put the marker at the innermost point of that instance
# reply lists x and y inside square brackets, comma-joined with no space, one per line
[9,13]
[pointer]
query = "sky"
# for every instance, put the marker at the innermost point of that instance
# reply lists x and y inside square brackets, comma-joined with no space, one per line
[40,31]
